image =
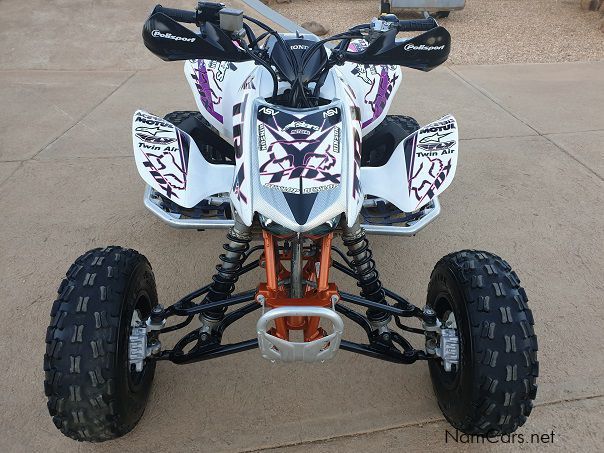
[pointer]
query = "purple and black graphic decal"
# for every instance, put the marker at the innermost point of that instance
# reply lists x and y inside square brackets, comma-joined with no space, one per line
[238,183]
[379,82]
[356,182]
[237,129]
[299,154]
[167,163]
[385,87]
[429,159]
[208,80]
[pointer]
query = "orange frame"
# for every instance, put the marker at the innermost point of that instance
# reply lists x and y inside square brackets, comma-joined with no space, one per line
[275,294]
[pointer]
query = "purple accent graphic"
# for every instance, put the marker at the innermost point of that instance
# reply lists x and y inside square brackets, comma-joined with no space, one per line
[357,45]
[384,90]
[429,176]
[206,94]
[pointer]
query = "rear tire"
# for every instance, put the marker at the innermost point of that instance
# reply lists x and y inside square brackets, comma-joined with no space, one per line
[182,115]
[492,391]
[93,395]
[379,145]
[213,148]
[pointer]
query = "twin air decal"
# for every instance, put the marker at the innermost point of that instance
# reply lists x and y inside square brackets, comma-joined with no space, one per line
[426,160]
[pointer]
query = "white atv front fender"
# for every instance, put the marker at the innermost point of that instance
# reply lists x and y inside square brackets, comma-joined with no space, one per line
[170,162]
[421,167]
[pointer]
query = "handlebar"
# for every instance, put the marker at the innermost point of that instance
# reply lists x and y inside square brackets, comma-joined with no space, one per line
[207,10]
[224,36]
[387,22]
[416,24]
[179,15]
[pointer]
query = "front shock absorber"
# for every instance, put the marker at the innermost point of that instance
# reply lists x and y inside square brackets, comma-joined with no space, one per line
[227,274]
[361,260]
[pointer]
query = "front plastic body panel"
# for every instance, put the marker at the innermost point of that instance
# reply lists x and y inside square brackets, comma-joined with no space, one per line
[373,87]
[421,167]
[169,161]
[299,168]
[216,87]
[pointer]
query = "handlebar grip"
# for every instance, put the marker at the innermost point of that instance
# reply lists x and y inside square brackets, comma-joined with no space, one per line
[179,15]
[417,24]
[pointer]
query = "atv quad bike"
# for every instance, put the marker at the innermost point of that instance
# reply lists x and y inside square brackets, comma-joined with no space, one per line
[292,145]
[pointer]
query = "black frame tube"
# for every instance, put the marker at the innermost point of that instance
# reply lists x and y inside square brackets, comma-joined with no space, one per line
[198,355]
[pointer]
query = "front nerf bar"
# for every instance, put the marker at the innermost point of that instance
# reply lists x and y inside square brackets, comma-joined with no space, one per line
[154,204]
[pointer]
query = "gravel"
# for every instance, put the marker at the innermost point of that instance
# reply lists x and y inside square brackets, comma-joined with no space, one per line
[486,31]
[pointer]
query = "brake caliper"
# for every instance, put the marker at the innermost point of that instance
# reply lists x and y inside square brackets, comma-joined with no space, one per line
[441,342]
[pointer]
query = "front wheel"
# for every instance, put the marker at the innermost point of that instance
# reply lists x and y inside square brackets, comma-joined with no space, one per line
[93,393]
[491,391]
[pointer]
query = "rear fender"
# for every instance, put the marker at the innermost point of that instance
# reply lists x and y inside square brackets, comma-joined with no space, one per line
[420,168]
[169,160]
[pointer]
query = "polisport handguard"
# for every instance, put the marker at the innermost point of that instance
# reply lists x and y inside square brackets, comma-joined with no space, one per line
[424,52]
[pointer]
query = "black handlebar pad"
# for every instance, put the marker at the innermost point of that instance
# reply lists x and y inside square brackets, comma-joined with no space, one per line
[417,24]
[179,15]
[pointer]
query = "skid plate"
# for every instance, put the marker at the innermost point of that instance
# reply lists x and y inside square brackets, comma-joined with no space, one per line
[277,349]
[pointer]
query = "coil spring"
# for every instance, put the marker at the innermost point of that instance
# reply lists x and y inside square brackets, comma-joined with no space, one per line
[228,270]
[361,259]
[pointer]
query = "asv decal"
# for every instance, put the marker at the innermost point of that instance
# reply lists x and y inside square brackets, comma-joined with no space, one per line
[267,111]
[330,113]
[159,34]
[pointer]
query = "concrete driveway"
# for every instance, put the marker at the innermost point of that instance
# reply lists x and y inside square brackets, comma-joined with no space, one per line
[529,187]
